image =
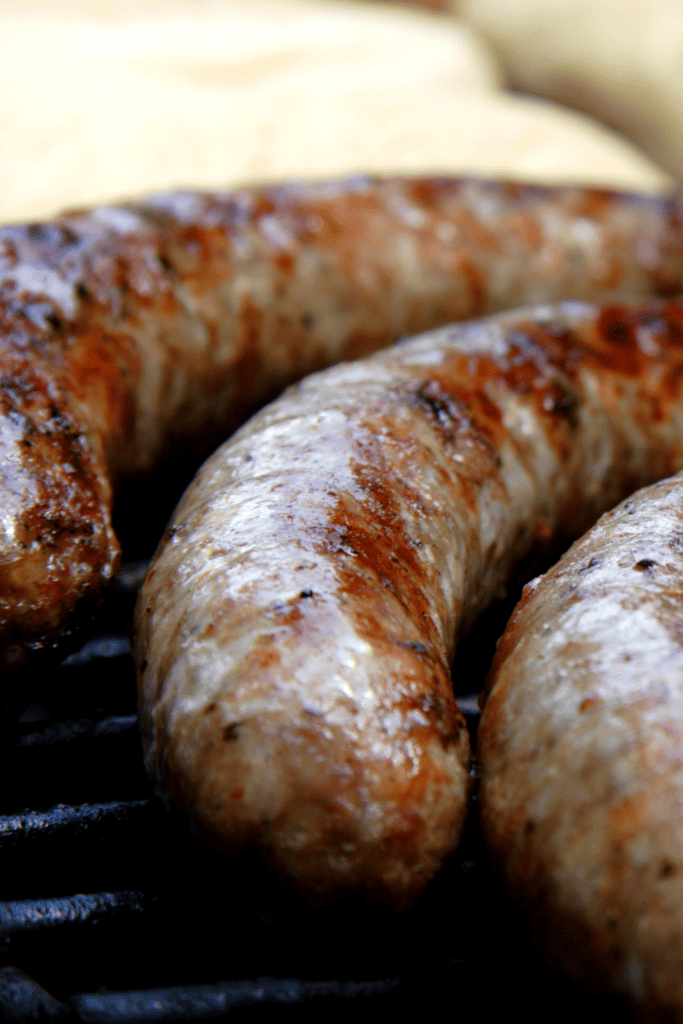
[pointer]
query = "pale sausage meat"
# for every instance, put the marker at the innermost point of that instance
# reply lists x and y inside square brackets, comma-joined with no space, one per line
[581,753]
[295,633]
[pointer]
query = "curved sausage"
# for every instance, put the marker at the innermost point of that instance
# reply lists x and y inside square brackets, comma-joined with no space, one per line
[581,752]
[133,331]
[295,632]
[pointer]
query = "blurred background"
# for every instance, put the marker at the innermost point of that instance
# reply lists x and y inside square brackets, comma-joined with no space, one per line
[105,99]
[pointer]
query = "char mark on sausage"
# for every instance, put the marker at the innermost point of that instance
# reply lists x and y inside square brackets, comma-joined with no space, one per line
[398,493]
[134,331]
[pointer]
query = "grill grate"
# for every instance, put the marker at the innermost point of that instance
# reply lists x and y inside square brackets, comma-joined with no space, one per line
[111,912]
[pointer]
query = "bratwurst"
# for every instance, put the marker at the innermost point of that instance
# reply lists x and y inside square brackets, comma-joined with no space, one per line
[581,752]
[129,332]
[295,632]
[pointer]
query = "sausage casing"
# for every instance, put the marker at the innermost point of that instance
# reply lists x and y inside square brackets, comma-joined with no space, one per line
[580,746]
[133,331]
[295,632]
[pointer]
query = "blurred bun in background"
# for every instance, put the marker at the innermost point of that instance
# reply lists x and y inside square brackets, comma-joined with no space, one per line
[108,99]
[621,60]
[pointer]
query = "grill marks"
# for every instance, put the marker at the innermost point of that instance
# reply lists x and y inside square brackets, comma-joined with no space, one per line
[68,385]
[376,543]
[53,506]
[466,422]
[377,530]
[174,318]
[391,490]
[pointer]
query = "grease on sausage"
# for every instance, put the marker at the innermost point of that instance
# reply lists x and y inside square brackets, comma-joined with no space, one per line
[295,633]
[136,330]
[580,749]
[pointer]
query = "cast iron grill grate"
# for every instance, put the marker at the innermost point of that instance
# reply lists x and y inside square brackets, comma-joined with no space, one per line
[110,912]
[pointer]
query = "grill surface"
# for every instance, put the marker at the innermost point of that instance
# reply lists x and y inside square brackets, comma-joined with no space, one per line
[111,912]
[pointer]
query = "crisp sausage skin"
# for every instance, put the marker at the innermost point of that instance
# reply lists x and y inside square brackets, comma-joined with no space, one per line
[295,632]
[133,331]
[581,755]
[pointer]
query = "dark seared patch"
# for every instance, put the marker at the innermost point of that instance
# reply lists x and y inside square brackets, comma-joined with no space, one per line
[41,314]
[436,703]
[58,423]
[666,869]
[285,262]
[381,543]
[437,190]
[617,329]
[230,732]
[16,390]
[644,564]
[62,521]
[441,406]
[37,232]
[413,645]
[286,610]
[81,357]
[464,418]
[430,192]
[198,245]
[8,253]
[543,361]
[540,364]
[476,284]
[337,540]
[24,321]
[371,533]
[618,342]
[559,400]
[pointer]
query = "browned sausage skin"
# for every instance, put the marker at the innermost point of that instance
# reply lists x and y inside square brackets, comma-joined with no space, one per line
[580,746]
[127,331]
[295,633]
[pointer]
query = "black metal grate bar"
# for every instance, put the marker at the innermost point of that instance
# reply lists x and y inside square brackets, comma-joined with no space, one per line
[202,1002]
[67,732]
[113,913]
[22,916]
[15,828]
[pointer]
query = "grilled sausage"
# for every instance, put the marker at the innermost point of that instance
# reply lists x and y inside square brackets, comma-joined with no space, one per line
[580,747]
[129,330]
[295,632]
